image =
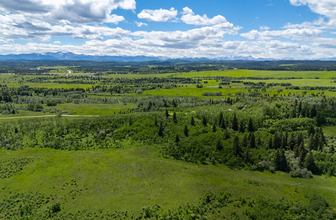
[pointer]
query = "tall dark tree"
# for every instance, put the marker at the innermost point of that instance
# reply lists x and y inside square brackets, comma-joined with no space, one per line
[214,129]
[245,141]
[252,143]
[130,122]
[276,141]
[283,142]
[246,156]
[219,145]
[291,141]
[155,121]
[186,131]
[160,133]
[177,139]
[226,134]
[309,163]
[242,127]
[299,139]
[250,126]
[175,118]
[220,119]
[235,123]
[167,113]
[302,153]
[204,121]
[192,121]
[236,146]
[310,130]
[313,112]
[312,143]
[280,160]
[223,126]
[300,107]
[270,143]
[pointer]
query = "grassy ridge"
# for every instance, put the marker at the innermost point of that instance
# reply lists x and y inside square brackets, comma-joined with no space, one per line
[133,178]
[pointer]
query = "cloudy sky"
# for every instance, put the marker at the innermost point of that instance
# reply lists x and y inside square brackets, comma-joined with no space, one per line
[300,29]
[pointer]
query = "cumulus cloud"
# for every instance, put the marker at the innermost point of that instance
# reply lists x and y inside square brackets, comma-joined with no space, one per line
[68,11]
[159,15]
[294,34]
[57,42]
[189,17]
[264,28]
[140,24]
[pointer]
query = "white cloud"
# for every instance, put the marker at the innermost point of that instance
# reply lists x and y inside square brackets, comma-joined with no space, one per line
[264,28]
[140,24]
[304,34]
[189,17]
[57,42]
[160,15]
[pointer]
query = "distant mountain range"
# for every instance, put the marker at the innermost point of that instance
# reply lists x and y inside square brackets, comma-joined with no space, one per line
[73,56]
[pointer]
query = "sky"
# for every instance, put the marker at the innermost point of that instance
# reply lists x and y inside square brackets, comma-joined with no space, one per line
[278,29]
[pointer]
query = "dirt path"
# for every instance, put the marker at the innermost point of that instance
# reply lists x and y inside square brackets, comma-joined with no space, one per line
[43,116]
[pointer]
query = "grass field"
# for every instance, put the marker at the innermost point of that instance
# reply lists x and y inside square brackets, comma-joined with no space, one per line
[133,178]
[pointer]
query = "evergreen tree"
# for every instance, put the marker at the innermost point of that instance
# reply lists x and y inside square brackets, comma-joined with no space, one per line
[186,131]
[167,113]
[280,161]
[319,120]
[246,157]
[219,145]
[220,120]
[300,107]
[250,127]
[309,163]
[223,124]
[204,121]
[244,143]
[241,127]
[130,122]
[235,123]
[177,139]
[259,142]
[155,121]
[270,143]
[226,134]
[252,143]
[312,143]
[276,141]
[236,146]
[214,127]
[310,130]
[283,142]
[302,153]
[192,121]
[299,139]
[291,141]
[175,118]
[313,112]
[160,130]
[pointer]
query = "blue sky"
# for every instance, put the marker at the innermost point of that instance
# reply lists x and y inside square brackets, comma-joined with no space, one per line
[281,29]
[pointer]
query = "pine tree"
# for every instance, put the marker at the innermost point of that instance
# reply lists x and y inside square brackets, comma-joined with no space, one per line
[270,143]
[250,127]
[155,121]
[130,122]
[283,142]
[235,123]
[259,142]
[223,124]
[204,121]
[319,120]
[299,139]
[192,121]
[309,163]
[219,145]
[186,131]
[214,127]
[241,127]
[300,107]
[302,153]
[313,112]
[312,142]
[226,134]
[221,118]
[167,113]
[244,143]
[310,130]
[277,159]
[276,141]
[177,139]
[252,143]
[236,146]
[283,161]
[175,118]
[291,141]
[246,157]
[160,131]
